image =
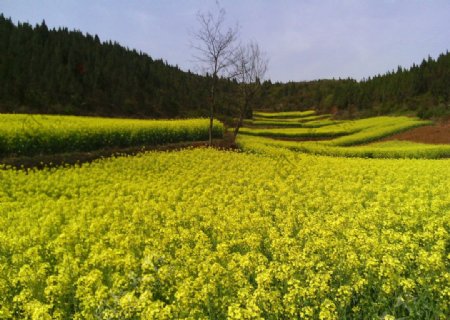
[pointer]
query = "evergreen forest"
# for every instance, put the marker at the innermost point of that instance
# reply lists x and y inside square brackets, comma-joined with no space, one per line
[58,71]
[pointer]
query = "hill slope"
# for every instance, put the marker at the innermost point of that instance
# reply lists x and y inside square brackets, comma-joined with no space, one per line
[424,89]
[67,72]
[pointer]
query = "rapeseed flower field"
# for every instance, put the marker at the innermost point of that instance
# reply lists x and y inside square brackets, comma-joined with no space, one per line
[26,134]
[341,138]
[209,234]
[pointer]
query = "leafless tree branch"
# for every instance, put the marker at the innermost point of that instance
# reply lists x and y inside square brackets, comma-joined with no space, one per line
[214,44]
[249,68]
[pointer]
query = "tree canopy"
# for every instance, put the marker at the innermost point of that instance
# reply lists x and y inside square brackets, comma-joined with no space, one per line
[59,71]
[68,72]
[423,89]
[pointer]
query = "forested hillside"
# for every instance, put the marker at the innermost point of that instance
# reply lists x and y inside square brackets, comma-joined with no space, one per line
[68,72]
[424,89]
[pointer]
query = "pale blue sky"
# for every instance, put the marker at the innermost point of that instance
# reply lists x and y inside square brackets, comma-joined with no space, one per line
[304,39]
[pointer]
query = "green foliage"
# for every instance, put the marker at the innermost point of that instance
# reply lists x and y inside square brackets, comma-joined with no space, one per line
[40,134]
[68,72]
[267,236]
[423,89]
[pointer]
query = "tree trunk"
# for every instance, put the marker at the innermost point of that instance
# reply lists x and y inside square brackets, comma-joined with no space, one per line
[211,113]
[241,119]
[211,120]
[238,126]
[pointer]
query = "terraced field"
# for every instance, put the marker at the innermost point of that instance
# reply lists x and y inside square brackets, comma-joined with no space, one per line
[358,138]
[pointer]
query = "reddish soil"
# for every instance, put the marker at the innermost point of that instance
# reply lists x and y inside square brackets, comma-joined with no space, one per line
[436,134]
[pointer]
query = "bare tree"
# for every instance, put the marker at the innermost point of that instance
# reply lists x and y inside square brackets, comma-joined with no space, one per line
[214,44]
[249,68]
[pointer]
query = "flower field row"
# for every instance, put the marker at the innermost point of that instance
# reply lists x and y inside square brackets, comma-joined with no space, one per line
[207,234]
[287,114]
[306,118]
[344,138]
[38,134]
[388,149]
[354,132]
[381,127]
[291,124]
[298,132]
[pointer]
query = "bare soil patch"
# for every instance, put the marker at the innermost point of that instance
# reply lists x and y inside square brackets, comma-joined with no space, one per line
[435,134]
